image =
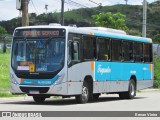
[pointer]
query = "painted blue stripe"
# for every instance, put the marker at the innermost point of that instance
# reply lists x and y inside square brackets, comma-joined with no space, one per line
[124,37]
[113,71]
[39,82]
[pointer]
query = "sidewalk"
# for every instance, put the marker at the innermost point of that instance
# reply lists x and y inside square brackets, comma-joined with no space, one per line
[12,99]
[150,90]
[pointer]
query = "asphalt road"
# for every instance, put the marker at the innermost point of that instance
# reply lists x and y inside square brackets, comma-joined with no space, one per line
[148,100]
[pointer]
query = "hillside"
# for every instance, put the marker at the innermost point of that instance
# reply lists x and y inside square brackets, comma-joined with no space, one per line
[82,17]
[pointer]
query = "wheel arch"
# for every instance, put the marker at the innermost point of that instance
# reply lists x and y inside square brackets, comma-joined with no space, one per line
[89,81]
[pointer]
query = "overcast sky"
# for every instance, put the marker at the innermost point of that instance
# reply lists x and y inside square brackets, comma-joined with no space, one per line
[8,7]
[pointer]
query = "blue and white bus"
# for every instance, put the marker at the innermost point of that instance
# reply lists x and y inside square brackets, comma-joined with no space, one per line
[79,61]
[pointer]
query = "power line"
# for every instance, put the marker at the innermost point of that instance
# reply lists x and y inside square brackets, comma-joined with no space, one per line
[75,3]
[100,4]
[71,2]
[34,7]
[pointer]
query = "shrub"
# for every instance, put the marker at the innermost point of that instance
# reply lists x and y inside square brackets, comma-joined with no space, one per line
[157,72]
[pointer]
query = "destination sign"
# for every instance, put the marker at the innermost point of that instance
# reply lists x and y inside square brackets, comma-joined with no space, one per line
[39,32]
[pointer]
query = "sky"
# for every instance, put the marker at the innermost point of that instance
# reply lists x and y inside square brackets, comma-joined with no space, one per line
[8,7]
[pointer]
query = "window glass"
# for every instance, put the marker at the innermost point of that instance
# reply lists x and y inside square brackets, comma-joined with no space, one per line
[76,51]
[89,47]
[45,55]
[75,47]
[69,51]
[116,50]
[138,52]
[104,49]
[127,51]
[147,50]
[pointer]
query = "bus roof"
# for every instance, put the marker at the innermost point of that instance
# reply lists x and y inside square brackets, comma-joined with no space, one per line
[115,34]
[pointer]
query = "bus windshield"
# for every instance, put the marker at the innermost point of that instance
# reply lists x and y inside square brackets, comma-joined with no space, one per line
[38,50]
[38,55]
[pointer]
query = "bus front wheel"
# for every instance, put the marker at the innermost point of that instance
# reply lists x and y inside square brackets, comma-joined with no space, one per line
[39,99]
[83,98]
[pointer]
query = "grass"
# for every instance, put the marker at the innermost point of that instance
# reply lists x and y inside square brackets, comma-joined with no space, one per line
[4,71]
[4,74]
[5,94]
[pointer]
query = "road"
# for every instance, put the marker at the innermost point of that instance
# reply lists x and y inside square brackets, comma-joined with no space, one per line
[148,100]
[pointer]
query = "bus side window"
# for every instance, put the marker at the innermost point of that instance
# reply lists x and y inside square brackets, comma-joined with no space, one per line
[116,50]
[147,51]
[89,48]
[75,51]
[70,46]
[103,49]
[131,55]
[138,50]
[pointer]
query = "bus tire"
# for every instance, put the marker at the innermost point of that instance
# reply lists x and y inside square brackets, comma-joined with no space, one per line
[39,99]
[83,98]
[130,94]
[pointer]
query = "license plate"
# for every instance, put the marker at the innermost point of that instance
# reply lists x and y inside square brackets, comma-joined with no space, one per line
[34,92]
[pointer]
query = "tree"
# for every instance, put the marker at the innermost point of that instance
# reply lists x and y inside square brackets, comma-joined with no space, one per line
[2,31]
[134,32]
[156,38]
[110,20]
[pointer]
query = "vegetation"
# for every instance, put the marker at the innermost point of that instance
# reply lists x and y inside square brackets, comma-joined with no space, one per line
[156,72]
[110,20]
[4,75]
[4,94]
[2,31]
[156,38]
[4,71]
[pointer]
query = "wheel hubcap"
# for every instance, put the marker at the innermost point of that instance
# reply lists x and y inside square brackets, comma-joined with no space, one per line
[84,94]
[132,89]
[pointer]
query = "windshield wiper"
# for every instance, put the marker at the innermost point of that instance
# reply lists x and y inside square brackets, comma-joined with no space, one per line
[49,40]
[28,44]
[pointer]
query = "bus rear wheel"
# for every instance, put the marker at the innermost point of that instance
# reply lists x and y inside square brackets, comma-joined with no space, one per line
[83,98]
[39,99]
[131,93]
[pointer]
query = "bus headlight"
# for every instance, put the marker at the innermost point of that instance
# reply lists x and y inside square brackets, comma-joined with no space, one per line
[13,80]
[59,80]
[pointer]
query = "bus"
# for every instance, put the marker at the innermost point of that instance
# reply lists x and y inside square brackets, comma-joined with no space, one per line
[80,62]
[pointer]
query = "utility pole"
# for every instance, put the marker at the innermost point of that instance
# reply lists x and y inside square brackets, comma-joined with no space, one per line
[62,13]
[25,19]
[144,18]
[46,7]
